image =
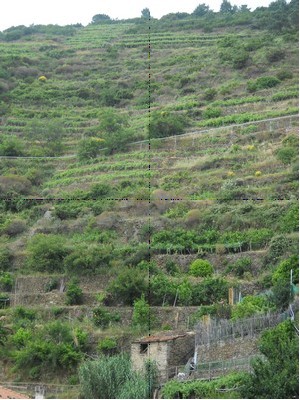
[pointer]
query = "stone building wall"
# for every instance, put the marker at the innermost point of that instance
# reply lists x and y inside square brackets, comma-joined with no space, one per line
[156,351]
[224,350]
[181,349]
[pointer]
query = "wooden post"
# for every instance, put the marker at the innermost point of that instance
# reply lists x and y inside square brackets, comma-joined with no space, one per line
[174,304]
[230,294]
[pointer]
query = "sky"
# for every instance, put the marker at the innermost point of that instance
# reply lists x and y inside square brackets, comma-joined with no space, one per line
[64,12]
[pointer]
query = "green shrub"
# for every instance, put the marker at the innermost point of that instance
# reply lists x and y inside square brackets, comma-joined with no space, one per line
[73,293]
[240,58]
[104,318]
[279,246]
[165,124]
[6,281]
[281,295]
[282,271]
[142,316]
[289,222]
[107,346]
[100,190]
[275,54]
[171,267]
[88,259]
[51,285]
[11,146]
[287,154]
[46,253]
[201,268]
[23,317]
[249,306]
[198,389]
[240,267]
[21,337]
[209,291]
[90,147]
[210,94]
[5,258]
[127,287]
[264,82]
[14,227]
[284,74]
[212,112]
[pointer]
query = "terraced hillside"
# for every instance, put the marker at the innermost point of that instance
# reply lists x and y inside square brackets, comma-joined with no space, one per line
[107,210]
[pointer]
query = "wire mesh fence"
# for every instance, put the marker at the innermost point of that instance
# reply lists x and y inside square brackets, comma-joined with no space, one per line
[220,330]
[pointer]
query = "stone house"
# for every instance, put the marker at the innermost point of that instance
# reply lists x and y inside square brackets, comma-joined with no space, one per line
[168,349]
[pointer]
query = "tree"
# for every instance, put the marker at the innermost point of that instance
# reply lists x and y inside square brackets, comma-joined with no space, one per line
[244,8]
[201,10]
[277,376]
[146,13]
[11,146]
[46,253]
[50,135]
[141,313]
[90,147]
[226,7]
[128,286]
[164,124]
[98,18]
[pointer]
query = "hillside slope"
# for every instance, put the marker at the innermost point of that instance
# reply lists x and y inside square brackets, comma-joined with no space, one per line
[94,201]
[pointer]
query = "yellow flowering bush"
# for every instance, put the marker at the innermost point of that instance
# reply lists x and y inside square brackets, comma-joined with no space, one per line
[42,78]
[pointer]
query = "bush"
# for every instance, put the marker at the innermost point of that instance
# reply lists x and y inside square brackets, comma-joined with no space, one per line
[284,74]
[275,54]
[107,346]
[22,315]
[51,285]
[165,124]
[46,253]
[201,268]
[287,154]
[15,227]
[212,112]
[279,245]
[281,295]
[86,260]
[5,258]
[142,314]
[128,286]
[89,148]
[249,306]
[73,294]
[104,318]
[282,271]
[6,281]
[289,222]
[210,94]
[240,267]
[209,291]
[264,82]
[11,146]
[100,190]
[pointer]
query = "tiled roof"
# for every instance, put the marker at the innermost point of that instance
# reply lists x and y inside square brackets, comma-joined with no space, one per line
[10,394]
